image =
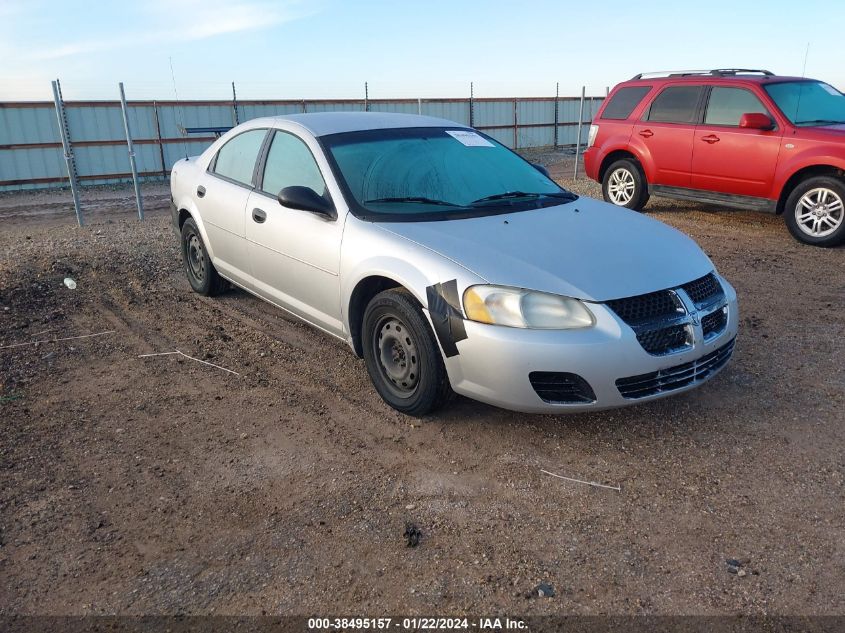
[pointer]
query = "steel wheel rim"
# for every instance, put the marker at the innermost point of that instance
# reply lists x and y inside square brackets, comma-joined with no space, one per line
[397,357]
[819,212]
[196,258]
[621,186]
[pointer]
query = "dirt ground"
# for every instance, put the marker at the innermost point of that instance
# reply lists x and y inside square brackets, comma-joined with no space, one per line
[160,485]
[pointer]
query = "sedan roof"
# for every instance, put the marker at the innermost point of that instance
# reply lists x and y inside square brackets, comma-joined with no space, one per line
[324,123]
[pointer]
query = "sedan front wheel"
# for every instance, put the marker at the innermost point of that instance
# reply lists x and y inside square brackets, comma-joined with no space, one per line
[402,355]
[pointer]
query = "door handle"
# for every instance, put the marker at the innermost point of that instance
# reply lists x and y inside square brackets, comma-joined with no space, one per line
[258,215]
[646,133]
[200,191]
[710,138]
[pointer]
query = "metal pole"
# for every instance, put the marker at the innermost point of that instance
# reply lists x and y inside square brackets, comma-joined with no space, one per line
[132,164]
[557,111]
[235,105]
[419,106]
[515,127]
[366,97]
[580,125]
[471,106]
[68,151]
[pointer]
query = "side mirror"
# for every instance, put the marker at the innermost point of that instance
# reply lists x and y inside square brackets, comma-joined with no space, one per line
[305,199]
[756,121]
[541,169]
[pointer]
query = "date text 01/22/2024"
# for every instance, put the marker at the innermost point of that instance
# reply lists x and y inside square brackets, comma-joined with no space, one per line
[416,624]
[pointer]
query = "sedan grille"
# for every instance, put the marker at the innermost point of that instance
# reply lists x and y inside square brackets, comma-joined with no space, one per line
[704,291]
[664,321]
[558,387]
[714,323]
[653,305]
[675,377]
[665,340]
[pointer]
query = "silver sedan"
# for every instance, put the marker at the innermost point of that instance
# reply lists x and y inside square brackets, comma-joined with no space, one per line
[450,264]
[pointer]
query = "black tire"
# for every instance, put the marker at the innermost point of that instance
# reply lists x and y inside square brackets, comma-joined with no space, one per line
[402,356]
[201,273]
[832,210]
[631,172]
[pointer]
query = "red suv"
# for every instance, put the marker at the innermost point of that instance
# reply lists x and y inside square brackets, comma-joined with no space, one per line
[734,137]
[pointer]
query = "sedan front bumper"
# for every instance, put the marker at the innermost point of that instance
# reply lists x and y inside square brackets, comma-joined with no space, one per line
[494,362]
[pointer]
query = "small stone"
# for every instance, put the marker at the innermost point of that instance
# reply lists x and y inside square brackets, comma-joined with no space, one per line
[741,573]
[410,506]
[545,590]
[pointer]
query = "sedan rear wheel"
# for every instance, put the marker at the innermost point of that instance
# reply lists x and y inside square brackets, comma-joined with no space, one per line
[815,211]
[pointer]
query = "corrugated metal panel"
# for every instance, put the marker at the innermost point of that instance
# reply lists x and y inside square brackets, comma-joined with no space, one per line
[528,112]
[493,113]
[20,125]
[100,149]
[456,111]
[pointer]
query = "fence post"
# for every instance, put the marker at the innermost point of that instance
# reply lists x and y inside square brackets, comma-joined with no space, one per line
[366,97]
[471,106]
[132,164]
[557,110]
[580,125]
[235,105]
[515,127]
[158,138]
[70,162]
[419,105]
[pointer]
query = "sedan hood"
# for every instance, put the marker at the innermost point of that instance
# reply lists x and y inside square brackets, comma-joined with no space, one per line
[585,249]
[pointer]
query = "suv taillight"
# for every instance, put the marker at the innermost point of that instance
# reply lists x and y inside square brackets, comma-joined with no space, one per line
[591,138]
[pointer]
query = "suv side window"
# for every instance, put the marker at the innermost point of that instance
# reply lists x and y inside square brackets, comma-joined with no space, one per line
[727,105]
[623,102]
[236,159]
[290,163]
[676,104]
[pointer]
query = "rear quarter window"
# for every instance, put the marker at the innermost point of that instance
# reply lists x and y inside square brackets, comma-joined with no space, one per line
[624,101]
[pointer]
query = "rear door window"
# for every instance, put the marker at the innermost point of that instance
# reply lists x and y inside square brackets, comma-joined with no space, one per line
[727,105]
[236,159]
[624,101]
[676,104]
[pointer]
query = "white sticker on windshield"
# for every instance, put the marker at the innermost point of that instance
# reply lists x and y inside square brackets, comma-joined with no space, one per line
[469,138]
[830,89]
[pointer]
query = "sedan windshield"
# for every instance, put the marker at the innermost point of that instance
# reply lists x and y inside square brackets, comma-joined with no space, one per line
[421,174]
[808,103]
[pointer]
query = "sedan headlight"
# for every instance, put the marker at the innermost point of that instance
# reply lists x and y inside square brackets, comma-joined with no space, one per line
[516,307]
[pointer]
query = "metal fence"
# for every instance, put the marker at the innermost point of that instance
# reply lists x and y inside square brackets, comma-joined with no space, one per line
[31,153]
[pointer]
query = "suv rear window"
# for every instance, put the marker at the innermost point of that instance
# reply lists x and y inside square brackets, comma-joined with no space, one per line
[676,104]
[623,102]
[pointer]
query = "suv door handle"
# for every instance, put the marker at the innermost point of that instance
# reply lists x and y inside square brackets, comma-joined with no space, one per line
[258,215]
[200,191]
[710,138]
[646,133]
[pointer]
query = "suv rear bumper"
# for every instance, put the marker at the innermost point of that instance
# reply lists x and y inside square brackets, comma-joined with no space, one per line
[591,163]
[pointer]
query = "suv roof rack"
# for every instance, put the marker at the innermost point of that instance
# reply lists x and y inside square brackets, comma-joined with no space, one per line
[717,72]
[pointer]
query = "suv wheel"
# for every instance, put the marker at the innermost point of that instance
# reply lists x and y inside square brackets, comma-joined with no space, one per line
[624,185]
[201,273]
[815,211]
[401,355]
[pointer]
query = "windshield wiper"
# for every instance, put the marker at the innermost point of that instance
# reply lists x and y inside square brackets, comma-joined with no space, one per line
[419,199]
[820,122]
[564,195]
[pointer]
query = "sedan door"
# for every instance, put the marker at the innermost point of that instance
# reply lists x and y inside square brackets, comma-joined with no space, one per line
[295,254]
[727,158]
[664,136]
[222,195]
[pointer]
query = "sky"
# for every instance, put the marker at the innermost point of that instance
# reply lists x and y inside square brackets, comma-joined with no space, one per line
[297,49]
